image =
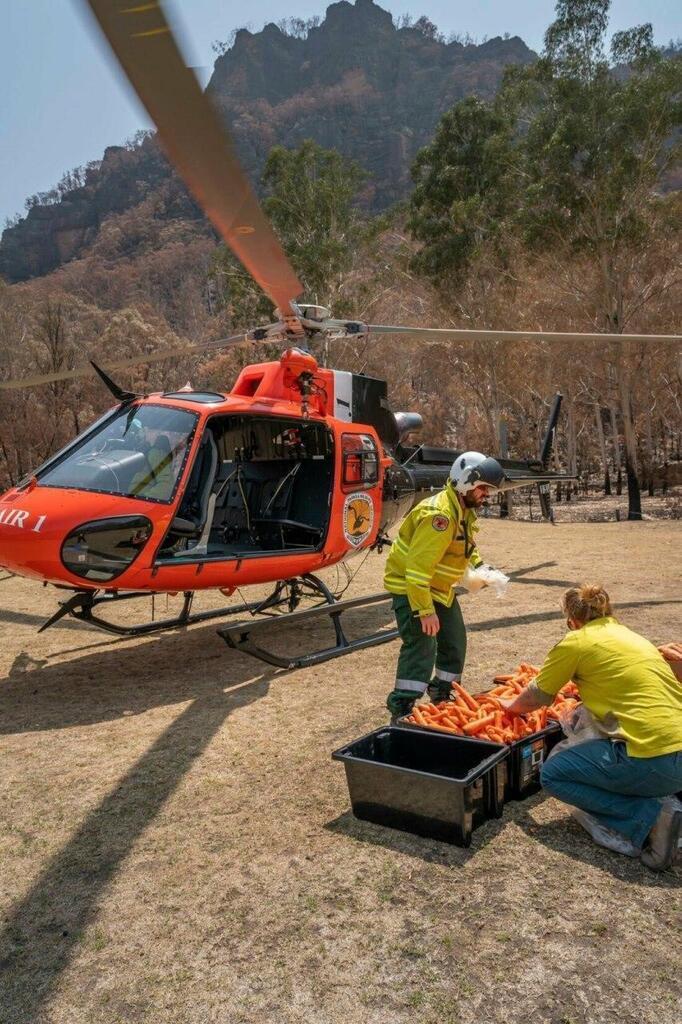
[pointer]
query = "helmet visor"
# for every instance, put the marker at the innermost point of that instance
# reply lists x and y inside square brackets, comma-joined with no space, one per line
[489,472]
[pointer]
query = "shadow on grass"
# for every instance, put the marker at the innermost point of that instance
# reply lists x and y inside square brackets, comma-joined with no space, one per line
[43,933]
[523,620]
[432,851]
[567,837]
[13,618]
[114,680]
[518,576]
[564,836]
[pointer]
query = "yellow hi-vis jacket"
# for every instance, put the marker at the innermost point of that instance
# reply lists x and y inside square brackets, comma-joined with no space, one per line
[432,550]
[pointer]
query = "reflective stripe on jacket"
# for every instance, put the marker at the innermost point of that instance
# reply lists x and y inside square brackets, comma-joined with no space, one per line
[432,550]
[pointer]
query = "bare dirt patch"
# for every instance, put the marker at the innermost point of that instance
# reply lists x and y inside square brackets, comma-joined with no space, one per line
[176,844]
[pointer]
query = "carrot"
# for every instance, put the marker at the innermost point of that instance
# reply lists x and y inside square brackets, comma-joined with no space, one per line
[441,728]
[478,725]
[418,716]
[490,703]
[466,697]
[483,716]
[455,725]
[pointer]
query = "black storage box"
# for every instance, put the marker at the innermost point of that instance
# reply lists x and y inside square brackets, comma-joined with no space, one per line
[425,782]
[526,758]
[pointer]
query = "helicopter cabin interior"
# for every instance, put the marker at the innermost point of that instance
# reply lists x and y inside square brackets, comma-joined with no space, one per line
[258,485]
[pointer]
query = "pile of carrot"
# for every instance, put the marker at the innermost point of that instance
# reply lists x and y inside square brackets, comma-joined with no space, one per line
[483,716]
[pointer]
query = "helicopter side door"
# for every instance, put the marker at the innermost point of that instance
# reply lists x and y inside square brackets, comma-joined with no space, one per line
[259,485]
[356,508]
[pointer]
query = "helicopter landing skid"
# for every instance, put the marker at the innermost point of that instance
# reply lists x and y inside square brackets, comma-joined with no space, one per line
[239,635]
[287,593]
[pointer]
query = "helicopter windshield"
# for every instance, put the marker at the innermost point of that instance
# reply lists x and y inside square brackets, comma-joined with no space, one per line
[138,453]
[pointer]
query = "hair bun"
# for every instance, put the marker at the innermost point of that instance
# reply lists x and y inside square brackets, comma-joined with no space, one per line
[596,598]
[586,602]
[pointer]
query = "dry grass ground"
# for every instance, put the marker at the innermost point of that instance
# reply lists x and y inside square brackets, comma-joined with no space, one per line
[176,844]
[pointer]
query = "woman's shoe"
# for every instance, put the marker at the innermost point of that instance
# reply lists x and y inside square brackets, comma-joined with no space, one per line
[661,848]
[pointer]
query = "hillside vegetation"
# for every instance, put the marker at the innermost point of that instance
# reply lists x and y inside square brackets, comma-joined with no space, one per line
[354,81]
[537,205]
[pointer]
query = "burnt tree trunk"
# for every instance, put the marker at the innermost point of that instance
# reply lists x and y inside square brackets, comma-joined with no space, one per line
[650,454]
[616,451]
[602,448]
[631,469]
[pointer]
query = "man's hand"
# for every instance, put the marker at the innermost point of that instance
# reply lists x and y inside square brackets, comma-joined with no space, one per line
[430,624]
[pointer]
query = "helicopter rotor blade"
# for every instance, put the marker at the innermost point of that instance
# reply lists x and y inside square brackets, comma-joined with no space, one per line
[195,140]
[86,369]
[485,335]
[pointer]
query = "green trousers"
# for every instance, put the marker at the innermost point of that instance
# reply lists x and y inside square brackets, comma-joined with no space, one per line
[419,652]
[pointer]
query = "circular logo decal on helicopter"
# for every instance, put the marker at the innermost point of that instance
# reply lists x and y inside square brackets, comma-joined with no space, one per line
[358,518]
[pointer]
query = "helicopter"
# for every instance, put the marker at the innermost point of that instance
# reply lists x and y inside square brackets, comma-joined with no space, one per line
[296,468]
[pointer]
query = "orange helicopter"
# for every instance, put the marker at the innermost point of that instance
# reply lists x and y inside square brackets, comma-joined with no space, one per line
[297,468]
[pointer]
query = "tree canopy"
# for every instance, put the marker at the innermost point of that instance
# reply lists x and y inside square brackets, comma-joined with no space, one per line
[311,195]
[565,167]
[569,155]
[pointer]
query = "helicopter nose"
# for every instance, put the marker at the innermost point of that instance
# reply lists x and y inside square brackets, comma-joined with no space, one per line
[21,534]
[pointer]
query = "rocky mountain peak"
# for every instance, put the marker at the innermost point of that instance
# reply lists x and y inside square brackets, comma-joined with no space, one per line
[355,82]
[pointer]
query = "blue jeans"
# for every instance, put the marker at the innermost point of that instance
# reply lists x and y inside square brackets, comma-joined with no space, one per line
[599,776]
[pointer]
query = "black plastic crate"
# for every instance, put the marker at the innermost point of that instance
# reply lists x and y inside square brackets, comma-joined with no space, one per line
[526,758]
[424,782]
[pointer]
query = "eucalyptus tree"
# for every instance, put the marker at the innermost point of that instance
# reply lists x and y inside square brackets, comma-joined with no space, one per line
[569,160]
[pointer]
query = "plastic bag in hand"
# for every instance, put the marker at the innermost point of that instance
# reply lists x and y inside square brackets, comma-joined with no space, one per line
[578,726]
[484,576]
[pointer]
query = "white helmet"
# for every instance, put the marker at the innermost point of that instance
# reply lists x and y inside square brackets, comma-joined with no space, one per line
[473,468]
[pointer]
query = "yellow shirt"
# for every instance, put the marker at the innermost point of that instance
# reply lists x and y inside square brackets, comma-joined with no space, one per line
[620,673]
[432,550]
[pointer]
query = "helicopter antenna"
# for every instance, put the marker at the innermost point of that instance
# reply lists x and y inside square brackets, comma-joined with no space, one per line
[122,396]
[415,452]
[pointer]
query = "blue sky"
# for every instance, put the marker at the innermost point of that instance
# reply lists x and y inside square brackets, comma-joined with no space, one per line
[62,100]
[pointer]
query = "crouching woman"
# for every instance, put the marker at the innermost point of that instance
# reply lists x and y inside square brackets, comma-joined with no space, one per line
[633,694]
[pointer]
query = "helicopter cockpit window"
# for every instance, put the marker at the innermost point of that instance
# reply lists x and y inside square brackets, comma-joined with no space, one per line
[138,453]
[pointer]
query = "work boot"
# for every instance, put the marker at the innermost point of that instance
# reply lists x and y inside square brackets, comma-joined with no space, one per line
[661,847]
[400,703]
[438,690]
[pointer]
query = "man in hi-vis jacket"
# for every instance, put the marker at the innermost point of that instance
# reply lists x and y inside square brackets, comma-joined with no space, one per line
[427,559]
